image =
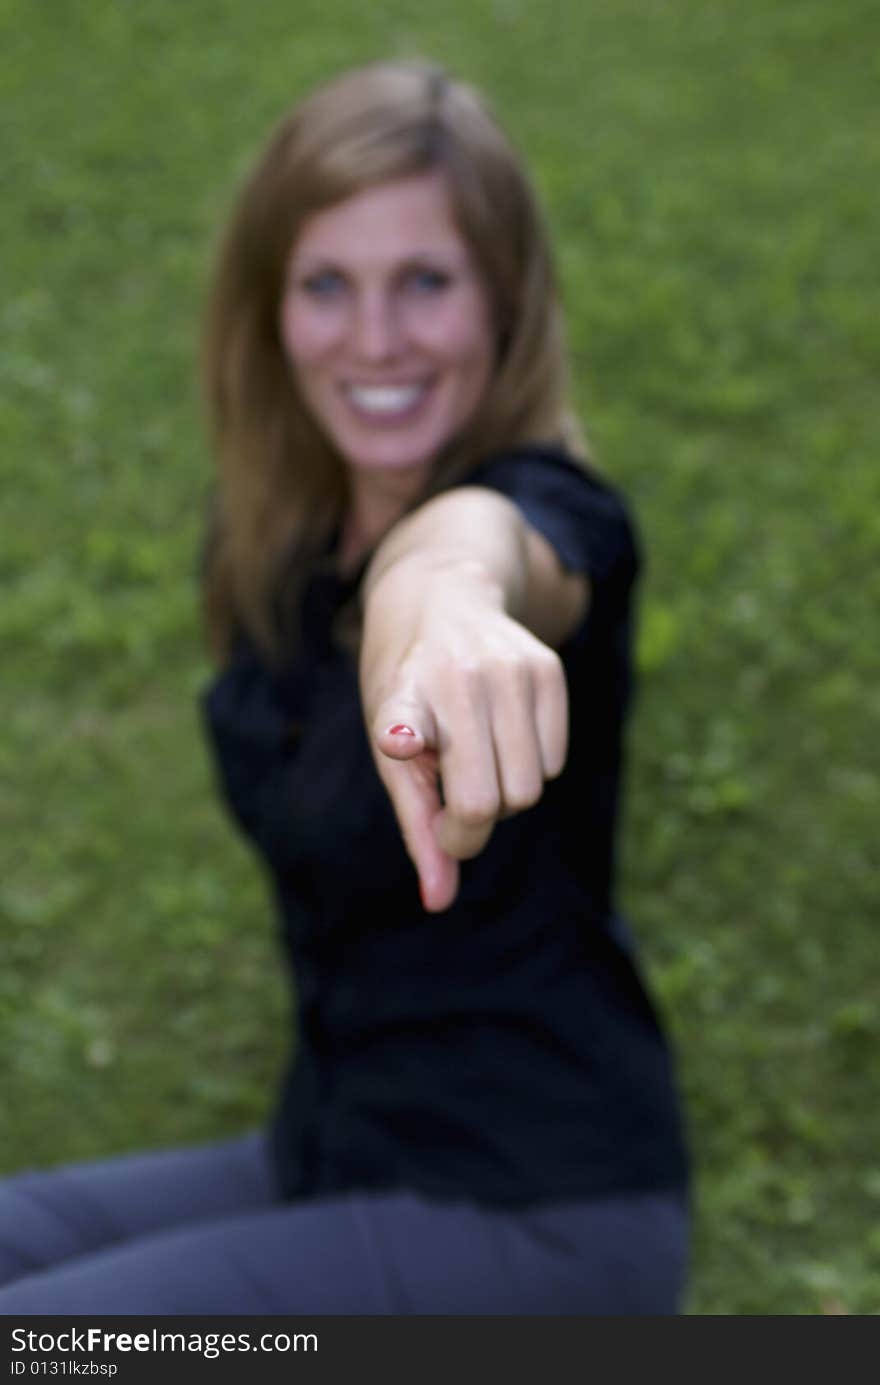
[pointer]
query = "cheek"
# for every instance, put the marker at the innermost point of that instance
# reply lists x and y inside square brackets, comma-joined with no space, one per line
[463,339]
[306,337]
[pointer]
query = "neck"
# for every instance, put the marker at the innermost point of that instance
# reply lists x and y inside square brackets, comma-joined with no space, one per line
[375,504]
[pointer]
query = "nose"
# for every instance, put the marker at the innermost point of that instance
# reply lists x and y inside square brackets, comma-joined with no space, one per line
[376,333]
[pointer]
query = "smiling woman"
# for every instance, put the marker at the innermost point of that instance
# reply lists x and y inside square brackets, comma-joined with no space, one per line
[418,595]
[388,327]
[353,143]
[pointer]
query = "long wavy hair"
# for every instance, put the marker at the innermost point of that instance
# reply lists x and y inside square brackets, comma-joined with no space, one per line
[280,489]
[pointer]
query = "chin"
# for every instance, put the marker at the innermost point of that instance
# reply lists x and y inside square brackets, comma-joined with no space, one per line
[389,458]
[401,464]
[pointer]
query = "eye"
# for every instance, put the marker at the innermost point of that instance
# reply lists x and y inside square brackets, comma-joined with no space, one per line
[324,283]
[423,279]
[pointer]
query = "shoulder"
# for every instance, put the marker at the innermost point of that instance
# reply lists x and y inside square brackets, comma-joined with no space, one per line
[587,519]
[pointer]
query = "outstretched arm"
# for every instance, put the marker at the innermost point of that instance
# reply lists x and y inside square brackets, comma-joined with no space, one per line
[463,604]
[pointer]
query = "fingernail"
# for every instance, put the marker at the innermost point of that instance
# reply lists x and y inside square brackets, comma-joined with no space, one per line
[400,730]
[422,895]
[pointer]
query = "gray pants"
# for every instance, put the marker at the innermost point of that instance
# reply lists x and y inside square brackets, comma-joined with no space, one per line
[201,1232]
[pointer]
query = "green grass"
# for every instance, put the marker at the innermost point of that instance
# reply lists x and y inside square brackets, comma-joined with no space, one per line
[711,174]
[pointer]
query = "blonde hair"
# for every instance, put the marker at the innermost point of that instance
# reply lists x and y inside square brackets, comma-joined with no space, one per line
[281,487]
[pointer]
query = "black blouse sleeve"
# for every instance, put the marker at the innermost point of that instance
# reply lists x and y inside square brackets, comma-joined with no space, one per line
[582,516]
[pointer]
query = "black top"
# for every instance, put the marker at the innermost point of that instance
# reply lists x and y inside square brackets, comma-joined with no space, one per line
[503,1050]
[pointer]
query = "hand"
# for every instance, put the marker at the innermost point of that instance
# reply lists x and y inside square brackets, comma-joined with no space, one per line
[468,715]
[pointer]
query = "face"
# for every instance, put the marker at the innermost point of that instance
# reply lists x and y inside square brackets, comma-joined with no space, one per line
[387,325]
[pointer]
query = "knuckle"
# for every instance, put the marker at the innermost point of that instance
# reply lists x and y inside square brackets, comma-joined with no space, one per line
[471,680]
[549,667]
[458,683]
[556,758]
[469,849]
[512,664]
[518,797]
[475,810]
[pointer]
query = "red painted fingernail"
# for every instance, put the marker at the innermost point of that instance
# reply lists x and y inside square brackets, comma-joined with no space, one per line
[400,730]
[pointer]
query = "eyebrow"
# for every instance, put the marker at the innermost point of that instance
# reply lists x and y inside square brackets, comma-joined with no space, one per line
[450,256]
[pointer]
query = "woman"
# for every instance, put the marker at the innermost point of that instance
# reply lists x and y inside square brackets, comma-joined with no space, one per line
[418,596]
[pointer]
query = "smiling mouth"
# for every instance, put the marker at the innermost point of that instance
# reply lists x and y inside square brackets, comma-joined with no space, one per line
[386,402]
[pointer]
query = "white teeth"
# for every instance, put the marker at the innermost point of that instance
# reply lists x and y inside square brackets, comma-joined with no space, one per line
[384,399]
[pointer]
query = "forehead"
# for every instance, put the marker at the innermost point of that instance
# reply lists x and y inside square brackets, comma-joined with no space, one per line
[382,224]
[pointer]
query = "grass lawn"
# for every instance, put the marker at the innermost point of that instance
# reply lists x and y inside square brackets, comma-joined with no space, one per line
[711,174]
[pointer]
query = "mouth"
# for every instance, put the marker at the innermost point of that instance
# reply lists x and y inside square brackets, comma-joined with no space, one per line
[386,403]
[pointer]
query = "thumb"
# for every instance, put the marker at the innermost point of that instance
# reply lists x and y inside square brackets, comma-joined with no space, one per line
[403,729]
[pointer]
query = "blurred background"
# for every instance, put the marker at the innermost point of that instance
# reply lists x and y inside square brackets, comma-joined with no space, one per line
[710,172]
